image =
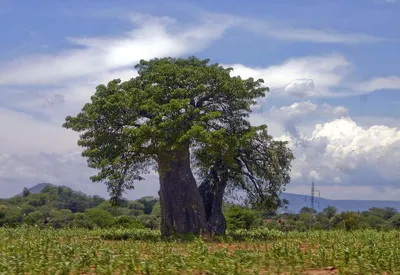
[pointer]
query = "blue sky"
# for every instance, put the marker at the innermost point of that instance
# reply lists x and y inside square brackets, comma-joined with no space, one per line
[332,66]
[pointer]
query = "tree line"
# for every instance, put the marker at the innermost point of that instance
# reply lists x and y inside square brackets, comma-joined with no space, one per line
[62,207]
[329,218]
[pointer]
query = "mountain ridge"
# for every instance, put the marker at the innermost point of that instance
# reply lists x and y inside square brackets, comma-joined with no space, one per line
[37,188]
[298,201]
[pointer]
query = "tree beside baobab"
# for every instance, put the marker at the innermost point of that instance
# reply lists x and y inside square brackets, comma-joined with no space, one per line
[187,119]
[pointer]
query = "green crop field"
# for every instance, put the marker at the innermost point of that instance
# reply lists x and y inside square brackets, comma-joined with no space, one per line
[29,250]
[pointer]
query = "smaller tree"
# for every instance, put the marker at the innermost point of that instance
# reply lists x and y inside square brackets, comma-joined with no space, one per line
[3,210]
[307,210]
[81,220]
[348,221]
[150,221]
[323,220]
[330,211]
[12,216]
[395,221]
[136,207]
[26,192]
[148,203]
[96,200]
[114,210]
[389,212]
[33,218]
[61,218]
[99,217]
[37,200]
[238,217]
[375,222]
[127,222]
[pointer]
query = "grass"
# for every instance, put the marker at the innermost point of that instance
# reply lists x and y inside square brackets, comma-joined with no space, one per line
[29,250]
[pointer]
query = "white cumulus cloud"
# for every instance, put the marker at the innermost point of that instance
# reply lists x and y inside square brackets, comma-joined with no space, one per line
[336,151]
[291,118]
[340,151]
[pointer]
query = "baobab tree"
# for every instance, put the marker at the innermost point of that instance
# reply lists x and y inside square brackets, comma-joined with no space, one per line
[181,117]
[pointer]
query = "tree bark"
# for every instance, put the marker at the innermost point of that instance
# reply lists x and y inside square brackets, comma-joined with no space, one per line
[212,193]
[182,209]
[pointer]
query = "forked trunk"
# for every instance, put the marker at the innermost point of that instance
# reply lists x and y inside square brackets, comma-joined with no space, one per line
[182,209]
[212,195]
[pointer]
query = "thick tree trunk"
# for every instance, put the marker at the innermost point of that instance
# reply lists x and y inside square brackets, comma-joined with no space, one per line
[212,194]
[182,209]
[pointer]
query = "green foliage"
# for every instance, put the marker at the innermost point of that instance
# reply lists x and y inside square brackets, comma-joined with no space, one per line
[10,216]
[329,218]
[374,222]
[34,218]
[307,210]
[3,210]
[347,221]
[177,104]
[61,207]
[130,234]
[150,221]
[26,208]
[82,221]
[330,212]
[136,207]
[20,210]
[60,218]
[395,221]
[127,123]
[62,197]
[37,200]
[114,209]
[30,250]
[127,222]
[100,218]
[156,211]
[240,218]
[148,204]
[26,192]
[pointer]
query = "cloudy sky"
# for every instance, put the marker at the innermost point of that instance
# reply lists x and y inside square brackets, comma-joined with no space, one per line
[333,68]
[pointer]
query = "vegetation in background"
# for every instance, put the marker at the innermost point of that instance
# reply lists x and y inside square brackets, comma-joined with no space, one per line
[62,207]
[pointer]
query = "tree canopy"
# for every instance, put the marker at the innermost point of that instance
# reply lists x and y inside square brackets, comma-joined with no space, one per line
[183,117]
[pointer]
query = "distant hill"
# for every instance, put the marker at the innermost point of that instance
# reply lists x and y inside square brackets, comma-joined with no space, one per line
[37,188]
[296,202]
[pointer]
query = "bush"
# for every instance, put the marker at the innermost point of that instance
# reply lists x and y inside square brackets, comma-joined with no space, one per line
[128,222]
[240,218]
[150,221]
[100,218]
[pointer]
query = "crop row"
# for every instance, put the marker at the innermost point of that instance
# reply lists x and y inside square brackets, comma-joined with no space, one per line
[34,251]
